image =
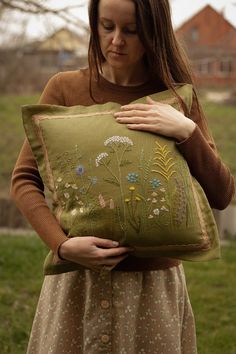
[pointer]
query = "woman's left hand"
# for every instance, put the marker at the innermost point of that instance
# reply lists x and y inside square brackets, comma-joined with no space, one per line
[156,117]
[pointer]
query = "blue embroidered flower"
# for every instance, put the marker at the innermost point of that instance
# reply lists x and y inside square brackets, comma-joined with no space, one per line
[155,183]
[132,177]
[79,170]
[82,190]
[93,179]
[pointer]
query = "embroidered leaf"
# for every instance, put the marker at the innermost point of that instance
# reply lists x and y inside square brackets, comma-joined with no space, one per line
[125,163]
[112,181]
[164,164]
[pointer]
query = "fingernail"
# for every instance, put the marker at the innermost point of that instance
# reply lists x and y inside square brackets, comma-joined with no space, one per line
[115,243]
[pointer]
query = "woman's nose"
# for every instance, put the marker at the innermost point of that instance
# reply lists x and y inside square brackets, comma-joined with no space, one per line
[117,38]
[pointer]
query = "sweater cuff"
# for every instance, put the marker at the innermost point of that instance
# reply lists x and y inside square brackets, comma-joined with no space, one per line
[58,250]
[193,136]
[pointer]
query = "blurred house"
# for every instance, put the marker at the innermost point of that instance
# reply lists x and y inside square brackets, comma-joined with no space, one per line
[27,67]
[210,41]
[63,50]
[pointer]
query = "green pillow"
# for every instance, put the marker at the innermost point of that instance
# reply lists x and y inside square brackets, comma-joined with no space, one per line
[111,182]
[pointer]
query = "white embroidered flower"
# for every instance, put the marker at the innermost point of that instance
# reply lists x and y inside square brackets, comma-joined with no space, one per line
[59,179]
[100,157]
[154,194]
[118,139]
[156,211]
[162,190]
[73,212]
[67,195]
[163,200]
[74,186]
[163,208]
[154,201]
[150,216]
[67,185]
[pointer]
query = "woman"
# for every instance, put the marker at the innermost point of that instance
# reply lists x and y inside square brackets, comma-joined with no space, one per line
[118,303]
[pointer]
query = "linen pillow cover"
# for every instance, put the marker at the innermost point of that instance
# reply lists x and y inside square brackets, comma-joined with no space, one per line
[108,181]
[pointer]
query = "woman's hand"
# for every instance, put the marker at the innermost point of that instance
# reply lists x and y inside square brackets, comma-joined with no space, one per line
[156,117]
[93,252]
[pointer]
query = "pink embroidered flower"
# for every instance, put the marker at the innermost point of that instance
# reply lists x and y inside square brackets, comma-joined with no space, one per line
[112,205]
[101,201]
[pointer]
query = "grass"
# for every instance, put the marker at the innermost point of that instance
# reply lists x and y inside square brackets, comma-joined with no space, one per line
[21,277]
[222,123]
[12,133]
[221,119]
[211,289]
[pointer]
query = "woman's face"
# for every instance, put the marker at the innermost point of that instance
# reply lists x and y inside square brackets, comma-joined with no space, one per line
[117,29]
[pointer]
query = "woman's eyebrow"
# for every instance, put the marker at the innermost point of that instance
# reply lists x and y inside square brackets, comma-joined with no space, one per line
[109,20]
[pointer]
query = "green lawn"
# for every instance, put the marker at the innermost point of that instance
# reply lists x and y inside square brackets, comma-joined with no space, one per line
[211,288]
[222,121]
[12,134]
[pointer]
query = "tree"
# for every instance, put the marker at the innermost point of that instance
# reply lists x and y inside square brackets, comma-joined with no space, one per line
[40,7]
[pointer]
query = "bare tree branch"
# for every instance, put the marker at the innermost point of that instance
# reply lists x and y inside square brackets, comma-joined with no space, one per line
[36,7]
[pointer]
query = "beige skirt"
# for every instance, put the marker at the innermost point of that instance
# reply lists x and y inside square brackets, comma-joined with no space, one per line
[114,312]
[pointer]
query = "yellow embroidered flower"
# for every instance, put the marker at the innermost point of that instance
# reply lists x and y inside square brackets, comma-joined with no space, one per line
[127,200]
[138,199]
[132,188]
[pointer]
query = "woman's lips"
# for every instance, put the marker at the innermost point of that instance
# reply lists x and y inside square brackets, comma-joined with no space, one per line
[116,53]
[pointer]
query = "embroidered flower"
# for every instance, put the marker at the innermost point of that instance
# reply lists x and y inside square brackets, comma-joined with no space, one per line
[100,157]
[67,195]
[137,199]
[127,200]
[93,179]
[79,170]
[150,216]
[132,188]
[118,139]
[82,190]
[162,190]
[163,208]
[112,205]
[67,185]
[74,186]
[132,177]
[154,201]
[101,201]
[59,179]
[156,212]
[155,183]
[73,212]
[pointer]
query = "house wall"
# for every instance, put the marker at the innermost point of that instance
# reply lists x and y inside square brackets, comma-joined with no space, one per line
[210,42]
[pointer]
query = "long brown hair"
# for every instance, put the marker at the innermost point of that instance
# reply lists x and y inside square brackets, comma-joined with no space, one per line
[164,57]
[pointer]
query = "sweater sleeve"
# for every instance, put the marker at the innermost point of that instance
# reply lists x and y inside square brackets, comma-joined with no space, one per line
[205,164]
[27,188]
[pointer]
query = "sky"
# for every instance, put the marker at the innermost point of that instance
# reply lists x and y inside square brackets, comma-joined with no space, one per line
[182,10]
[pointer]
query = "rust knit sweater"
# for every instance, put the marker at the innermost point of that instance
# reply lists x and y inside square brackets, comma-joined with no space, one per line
[72,88]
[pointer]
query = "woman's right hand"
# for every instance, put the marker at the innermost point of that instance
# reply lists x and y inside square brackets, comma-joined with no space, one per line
[93,252]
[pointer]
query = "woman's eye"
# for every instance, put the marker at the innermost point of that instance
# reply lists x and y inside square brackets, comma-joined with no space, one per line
[130,31]
[108,27]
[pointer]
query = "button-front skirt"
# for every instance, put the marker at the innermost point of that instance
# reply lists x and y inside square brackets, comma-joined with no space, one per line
[114,312]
